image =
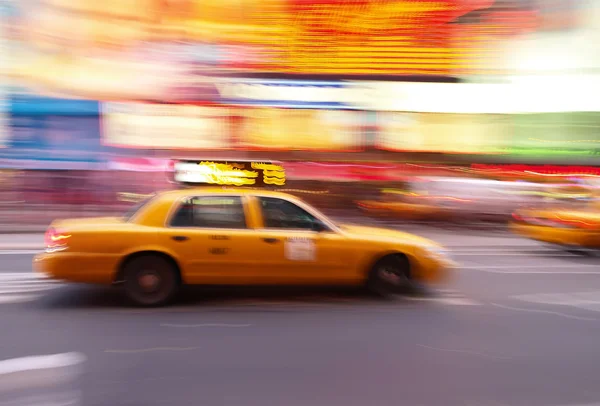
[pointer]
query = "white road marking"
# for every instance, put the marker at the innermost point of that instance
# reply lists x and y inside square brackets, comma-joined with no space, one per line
[135,351]
[24,275]
[589,300]
[21,252]
[449,297]
[38,372]
[517,269]
[513,254]
[17,298]
[26,289]
[452,301]
[19,287]
[479,354]
[205,325]
[568,316]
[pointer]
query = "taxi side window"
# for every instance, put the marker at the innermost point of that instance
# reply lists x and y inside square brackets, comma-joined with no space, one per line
[279,213]
[210,212]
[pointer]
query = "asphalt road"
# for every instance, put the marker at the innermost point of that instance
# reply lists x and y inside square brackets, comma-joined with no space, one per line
[519,324]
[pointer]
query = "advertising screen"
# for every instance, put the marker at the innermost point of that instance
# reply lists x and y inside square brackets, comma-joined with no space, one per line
[302,129]
[550,135]
[158,50]
[444,133]
[5,11]
[539,136]
[54,142]
[166,126]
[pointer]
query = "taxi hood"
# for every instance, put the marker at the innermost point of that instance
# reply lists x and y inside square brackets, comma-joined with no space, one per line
[387,235]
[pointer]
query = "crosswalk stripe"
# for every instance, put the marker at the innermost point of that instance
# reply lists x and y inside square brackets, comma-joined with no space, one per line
[18,298]
[19,287]
[23,275]
[16,282]
[27,289]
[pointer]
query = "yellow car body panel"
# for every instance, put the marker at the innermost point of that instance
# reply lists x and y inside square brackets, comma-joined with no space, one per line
[566,227]
[94,250]
[559,236]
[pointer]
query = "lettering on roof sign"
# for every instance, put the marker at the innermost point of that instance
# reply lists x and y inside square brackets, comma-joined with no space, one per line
[266,166]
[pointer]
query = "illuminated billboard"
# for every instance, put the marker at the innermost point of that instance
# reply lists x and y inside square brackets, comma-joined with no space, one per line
[443,133]
[191,127]
[166,126]
[145,49]
[302,129]
[5,11]
[535,136]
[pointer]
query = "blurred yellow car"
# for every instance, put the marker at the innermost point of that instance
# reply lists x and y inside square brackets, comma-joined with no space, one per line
[404,205]
[568,228]
[217,236]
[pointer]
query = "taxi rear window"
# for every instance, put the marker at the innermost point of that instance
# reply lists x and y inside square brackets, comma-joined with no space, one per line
[210,212]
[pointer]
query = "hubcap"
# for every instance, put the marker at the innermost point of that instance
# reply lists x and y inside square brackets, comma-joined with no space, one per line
[392,276]
[149,281]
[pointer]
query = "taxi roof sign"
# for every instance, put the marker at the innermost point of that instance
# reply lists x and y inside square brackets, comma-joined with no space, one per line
[228,173]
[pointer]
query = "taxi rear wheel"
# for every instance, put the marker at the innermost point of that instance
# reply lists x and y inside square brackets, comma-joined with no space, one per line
[390,275]
[150,280]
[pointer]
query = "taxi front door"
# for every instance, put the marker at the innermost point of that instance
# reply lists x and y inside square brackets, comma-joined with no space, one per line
[295,247]
[304,257]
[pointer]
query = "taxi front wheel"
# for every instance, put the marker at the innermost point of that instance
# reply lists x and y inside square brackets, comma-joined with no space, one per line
[150,280]
[390,275]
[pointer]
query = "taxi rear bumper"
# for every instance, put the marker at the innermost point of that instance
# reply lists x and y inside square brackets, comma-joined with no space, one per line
[72,267]
[559,236]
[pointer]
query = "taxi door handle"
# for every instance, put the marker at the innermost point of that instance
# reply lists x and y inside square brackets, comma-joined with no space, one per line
[180,238]
[270,240]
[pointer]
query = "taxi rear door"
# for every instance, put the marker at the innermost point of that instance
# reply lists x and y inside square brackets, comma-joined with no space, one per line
[212,239]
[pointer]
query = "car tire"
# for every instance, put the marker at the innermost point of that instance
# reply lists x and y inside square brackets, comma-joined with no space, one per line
[150,281]
[389,276]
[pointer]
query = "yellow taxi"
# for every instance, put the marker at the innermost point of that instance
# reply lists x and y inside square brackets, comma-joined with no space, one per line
[402,204]
[233,236]
[569,218]
[568,228]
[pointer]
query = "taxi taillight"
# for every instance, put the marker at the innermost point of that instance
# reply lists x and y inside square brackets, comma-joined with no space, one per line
[518,218]
[56,239]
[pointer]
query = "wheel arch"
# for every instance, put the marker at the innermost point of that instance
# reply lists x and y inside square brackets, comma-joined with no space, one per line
[381,255]
[119,273]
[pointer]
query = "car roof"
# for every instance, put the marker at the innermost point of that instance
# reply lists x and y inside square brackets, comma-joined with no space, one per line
[223,192]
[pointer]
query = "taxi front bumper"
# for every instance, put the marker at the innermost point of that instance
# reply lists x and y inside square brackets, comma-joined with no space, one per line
[434,267]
